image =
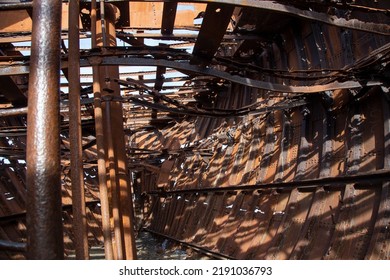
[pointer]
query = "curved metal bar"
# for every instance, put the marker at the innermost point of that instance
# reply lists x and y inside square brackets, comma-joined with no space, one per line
[185,66]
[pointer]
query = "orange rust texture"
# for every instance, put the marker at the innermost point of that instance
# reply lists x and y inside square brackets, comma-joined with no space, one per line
[153,11]
[337,222]
[314,223]
[20,21]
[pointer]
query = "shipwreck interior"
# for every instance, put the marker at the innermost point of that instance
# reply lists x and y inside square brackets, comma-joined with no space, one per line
[251,129]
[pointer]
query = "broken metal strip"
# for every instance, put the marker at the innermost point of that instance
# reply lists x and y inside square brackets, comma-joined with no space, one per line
[368,179]
[209,39]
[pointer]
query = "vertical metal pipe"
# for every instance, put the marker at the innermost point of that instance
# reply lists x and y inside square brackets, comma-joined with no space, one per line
[44,213]
[99,130]
[93,23]
[118,137]
[104,201]
[113,170]
[109,148]
[103,22]
[76,152]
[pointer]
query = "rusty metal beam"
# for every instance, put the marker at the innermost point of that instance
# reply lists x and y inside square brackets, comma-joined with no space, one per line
[168,18]
[13,112]
[93,23]
[115,198]
[272,6]
[16,6]
[76,152]
[44,217]
[356,24]
[103,35]
[214,25]
[167,25]
[160,71]
[368,178]
[118,138]
[99,131]
[377,248]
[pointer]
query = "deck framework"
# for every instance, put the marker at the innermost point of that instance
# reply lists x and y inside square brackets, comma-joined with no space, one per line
[244,129]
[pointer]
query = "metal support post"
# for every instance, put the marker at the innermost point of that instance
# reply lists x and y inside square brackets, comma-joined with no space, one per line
[44,216]
[76,162]
[113,171]
[116,119]
[99,130]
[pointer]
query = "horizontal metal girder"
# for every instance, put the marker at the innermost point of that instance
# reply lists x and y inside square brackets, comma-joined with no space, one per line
[335,182]
[356,24]
[13,112]
[273,6]
[15,6]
